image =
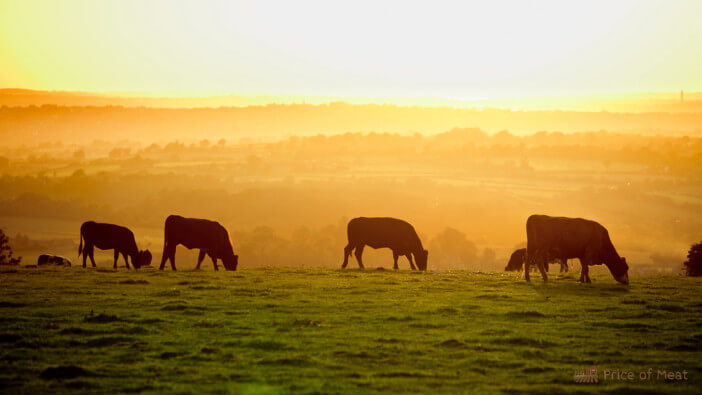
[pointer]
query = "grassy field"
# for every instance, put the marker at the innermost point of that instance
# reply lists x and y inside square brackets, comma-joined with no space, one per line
[287,330]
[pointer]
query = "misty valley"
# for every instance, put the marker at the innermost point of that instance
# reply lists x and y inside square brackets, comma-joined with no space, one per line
[286,202]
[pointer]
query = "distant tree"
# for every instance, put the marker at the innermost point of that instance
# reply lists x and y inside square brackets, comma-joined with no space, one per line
[6,251]
[78,173]
[117,153]
[488,256]
[79,154]
[452,249]
[693,265]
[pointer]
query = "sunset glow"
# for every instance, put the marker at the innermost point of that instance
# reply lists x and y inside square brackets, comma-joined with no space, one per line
[390,49]
[350,197]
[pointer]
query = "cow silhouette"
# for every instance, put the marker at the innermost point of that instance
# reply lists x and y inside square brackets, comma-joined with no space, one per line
[46,259]
[111,237]
[383,232]
[572,238]
[518,257]
[209,236]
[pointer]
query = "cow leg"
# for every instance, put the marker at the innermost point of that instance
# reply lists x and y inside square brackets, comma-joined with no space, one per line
[394,257]
[359,253]
[85,254]
[116,257]
[531,262]
[168,254]
[347,254]
[126,261]
[411,261]
[527,264]
[164,256]
[199,259]
[92,255]
[172,258]
[585,273]
[542,264]
[585,268]
[214,262]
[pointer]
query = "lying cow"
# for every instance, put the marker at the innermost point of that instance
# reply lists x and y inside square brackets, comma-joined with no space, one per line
[52,260]
[210,237]
[572,238]
[111,237]
[391,233]
[518,257]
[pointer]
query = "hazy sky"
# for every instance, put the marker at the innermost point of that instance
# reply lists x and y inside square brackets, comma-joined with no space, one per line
[374,48]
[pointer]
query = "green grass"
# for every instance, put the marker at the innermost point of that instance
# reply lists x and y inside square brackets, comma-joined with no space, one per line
[287,330]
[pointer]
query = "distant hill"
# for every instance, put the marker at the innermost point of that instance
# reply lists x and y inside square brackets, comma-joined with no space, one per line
[47,123]
[638,102]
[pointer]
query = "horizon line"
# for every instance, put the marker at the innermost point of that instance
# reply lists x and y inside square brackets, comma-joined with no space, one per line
[195,94]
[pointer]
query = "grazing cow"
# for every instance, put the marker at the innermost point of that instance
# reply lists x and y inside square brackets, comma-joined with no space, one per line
[572,238]
[391,233]
[209,236]
[52,260]
[516,260]
[518,257]
[111,237]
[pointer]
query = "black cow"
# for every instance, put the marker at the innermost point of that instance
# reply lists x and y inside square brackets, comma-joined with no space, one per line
[111,237]
[391,233]
[45,259]
[209,236]
[516,260]
[572,238]
[518,257]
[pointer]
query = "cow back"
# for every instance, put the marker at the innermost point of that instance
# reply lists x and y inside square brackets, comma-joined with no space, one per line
[109,236]
[563,237]
[380,232]
[199,233]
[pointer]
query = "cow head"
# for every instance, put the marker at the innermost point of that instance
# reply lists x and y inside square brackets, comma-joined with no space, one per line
[144,259]
[421,259]
[512,267]
[231,262]
[620,270]
[516,260]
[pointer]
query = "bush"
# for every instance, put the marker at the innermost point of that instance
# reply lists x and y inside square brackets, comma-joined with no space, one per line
[693,265]
[6,252]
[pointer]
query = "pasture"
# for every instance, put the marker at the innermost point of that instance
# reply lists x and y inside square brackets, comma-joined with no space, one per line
[321,330]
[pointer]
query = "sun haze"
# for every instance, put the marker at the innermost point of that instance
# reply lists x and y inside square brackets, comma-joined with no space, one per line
[354,193]
[390,49]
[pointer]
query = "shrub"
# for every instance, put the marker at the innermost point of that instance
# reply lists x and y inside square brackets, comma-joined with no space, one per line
[693,265]
[6,252]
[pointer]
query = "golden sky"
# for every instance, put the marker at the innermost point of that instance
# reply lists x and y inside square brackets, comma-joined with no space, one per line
[374,48]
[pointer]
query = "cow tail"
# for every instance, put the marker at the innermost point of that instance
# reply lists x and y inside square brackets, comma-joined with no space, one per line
[80,246]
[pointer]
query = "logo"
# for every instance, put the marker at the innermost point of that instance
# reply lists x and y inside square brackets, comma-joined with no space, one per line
[587,376]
